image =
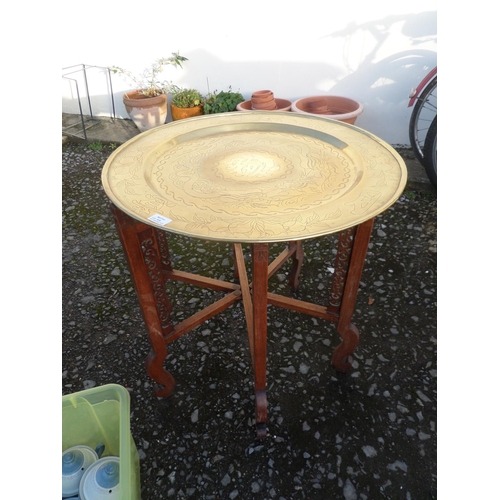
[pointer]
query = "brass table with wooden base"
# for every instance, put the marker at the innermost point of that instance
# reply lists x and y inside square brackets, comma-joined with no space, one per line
[249,178]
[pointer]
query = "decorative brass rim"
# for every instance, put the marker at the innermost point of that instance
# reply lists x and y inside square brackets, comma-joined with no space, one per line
[254,176]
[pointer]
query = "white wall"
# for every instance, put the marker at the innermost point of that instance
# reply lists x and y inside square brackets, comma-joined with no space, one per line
[374,52]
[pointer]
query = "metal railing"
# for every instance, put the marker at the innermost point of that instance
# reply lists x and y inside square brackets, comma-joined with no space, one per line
[85,123]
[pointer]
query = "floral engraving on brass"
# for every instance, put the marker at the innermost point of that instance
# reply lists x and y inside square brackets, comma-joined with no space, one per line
[252,177]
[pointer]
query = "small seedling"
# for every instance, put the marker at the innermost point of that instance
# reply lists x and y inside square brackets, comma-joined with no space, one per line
[411,195]
[96,146]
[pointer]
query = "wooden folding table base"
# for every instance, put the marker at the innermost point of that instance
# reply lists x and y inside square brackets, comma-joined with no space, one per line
[148,256]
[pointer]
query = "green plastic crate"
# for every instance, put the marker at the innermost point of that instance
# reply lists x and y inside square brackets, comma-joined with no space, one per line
[102,415]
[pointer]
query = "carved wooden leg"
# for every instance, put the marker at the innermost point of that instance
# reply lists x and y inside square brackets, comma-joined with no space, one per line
[353,245]
[236,271]
[142,250]
[297,260]
[341,354]
[260,256]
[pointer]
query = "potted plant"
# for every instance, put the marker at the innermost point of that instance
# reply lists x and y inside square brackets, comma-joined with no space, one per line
[222,102]
[185,103]
[147,103]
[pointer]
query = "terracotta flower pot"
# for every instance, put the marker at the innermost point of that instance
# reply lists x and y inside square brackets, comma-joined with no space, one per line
[263,99]
[181,113]
[268,106]
[337,108]
[262,95]
[281,105]
[319,106]
[145,112]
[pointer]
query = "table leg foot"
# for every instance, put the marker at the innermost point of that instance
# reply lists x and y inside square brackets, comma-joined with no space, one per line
[261,431]
[341,354]
[165,383]
[261,413]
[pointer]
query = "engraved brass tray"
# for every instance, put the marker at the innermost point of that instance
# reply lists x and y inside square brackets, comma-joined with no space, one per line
[254,176]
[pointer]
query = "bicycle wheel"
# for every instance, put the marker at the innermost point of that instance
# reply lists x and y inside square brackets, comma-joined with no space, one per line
[430,152]
[423,113]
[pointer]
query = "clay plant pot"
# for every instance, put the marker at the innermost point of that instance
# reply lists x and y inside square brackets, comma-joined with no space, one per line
[263,100]
[268,106]
[318,106]
[181,113]
[281,105]
[145,112]
[328,106]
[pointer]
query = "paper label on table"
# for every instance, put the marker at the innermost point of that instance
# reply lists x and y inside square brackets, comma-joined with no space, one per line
[159,219]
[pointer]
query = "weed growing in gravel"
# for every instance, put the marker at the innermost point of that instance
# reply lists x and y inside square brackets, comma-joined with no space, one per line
[411,195]
[99,146]
[96,146]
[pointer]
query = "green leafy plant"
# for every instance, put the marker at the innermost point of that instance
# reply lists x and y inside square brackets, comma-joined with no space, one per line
[148,82]
[411,195]
[185,98]
[96,146]
[222,102]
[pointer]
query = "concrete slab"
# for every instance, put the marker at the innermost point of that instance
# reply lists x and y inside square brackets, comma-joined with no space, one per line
[106,130]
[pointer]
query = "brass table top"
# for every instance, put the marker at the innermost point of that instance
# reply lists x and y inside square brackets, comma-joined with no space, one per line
[254,176]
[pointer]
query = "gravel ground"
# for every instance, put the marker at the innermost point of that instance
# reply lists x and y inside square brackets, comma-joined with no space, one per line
[367,434]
